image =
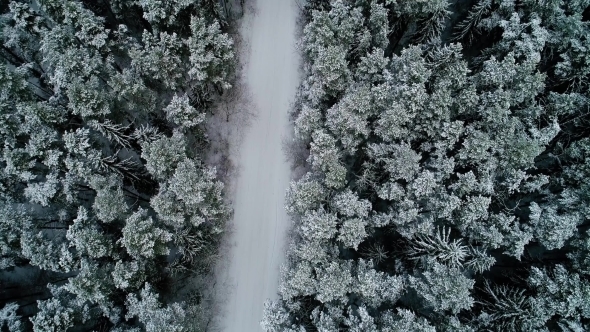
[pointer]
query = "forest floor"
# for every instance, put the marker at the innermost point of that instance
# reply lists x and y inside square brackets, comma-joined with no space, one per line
[256,240]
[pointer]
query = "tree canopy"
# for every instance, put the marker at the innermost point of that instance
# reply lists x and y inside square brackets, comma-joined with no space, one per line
[104,193]
[448,153]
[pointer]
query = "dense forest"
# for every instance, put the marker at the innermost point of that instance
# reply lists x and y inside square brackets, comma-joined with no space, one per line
[105,198]
[448,183]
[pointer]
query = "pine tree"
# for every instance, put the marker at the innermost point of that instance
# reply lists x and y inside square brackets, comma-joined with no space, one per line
[152,315]
[10,319]
[444,288]
[142,238]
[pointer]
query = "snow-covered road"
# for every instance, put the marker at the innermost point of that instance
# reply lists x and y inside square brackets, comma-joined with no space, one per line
[260,222]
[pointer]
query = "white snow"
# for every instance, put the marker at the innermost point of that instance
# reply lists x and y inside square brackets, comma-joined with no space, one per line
[257,240]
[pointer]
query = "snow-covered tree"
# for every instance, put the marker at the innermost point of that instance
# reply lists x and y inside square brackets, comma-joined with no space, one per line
[334,281]
[405,320]
[352,232]
[163,154]
[53,316]
[43,252]
[348,204]
[559,292]
[94,104]
[376,287]
[330,74]
[93,284]
[551,228]
[509,308]
[142,238]
[439,247]
[152,314]
[182,113]
[110,203]
[298,282]
[159,58]
[59,312]
[163,13]
[192,196]
[211,53]
[319,225]
[13,222]
[130,274]
[464,130]
[86,235]
[361,321]
[347,120]
[275,317]
[305,194]
[10,319]
[325,156]
[444,288]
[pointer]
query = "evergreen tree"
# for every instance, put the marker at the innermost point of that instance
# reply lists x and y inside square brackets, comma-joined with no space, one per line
[99,105]
[450,144]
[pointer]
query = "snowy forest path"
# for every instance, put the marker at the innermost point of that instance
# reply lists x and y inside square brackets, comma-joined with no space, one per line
[258,236]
